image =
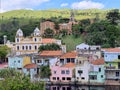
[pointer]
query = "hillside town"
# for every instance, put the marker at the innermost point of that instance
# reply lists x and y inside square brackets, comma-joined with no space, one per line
[86,64]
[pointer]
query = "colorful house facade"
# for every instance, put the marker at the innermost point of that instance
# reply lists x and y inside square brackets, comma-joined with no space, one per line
[112,63]
[63,73]
[97,71]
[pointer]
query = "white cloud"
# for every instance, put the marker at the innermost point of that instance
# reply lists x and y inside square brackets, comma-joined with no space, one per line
[64,4]
[87,4]
[7,5]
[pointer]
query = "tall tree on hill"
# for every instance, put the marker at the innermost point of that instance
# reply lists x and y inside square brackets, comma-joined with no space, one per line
[113,16]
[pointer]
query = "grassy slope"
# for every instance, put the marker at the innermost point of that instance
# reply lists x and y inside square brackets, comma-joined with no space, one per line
[71,42]
[53,13]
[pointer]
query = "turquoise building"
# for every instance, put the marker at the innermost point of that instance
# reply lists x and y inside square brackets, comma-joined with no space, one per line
[97,72]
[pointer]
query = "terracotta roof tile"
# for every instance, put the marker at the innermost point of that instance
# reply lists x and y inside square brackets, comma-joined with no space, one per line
[51,53]
[68,65]
[48,40]
[111,49]
[71,54]
[30,66]
[98,61]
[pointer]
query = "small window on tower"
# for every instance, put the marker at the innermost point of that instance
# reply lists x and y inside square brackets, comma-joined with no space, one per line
[17,39]
[35,39]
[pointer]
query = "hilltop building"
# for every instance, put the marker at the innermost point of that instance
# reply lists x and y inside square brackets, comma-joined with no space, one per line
[62,26]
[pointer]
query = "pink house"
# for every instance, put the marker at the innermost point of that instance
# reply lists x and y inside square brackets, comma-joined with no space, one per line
[63,73]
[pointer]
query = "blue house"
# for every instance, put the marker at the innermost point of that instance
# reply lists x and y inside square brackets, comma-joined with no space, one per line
[30,69]
[112,63]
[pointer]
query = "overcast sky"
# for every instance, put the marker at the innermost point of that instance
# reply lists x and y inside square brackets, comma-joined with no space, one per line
[7,5]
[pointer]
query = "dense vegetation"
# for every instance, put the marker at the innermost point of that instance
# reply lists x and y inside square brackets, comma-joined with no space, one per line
[105,24]
[52,46]
[13,80]
[4,50]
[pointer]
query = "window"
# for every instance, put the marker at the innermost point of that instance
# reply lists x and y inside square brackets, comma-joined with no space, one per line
[68,78]
[72,60]
[26,47]
[17,39]
[63,72]
[22,47]
[17,47]
[99,69]
[80,71]
[30,47]
[117,74]
[57,78]
[35,47]
[101,76]
[68,60]
[35,39]
[93,77]
[67,72]
[19,61]
[82,77]
[63,78]
[54,78]
[34,69]
[55,72]
[118,56]
[39,61]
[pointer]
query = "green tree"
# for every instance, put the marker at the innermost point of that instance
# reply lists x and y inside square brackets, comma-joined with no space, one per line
[76,30]
[63,32]
[45,72]
[113,16]
[4,50]
[13,80]
[48,33]
[52,46]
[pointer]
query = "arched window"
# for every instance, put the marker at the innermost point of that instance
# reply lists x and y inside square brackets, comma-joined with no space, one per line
[17,39]
[35,47]
[35,39]
[30,47]
[26,47]
[18,48]
[23,48]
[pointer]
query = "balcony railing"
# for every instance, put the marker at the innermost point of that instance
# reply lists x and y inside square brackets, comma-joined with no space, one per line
[110,67]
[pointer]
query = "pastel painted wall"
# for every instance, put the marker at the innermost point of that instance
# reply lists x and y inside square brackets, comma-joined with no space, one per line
[82,72]
[112,64]
[100,74]
[59,73]
[15,62]
[26,60]
[32,72]
[110,56]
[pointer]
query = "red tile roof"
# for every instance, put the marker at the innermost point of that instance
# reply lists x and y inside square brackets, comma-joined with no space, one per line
[111,49]
[30,66]
[51,53]
[48,40]
[68,65]
[98,61]
[71,54]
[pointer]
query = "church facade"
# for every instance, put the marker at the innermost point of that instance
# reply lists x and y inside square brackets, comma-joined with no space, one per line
[29,45]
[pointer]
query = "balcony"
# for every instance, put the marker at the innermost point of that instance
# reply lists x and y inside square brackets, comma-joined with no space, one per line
[110,67]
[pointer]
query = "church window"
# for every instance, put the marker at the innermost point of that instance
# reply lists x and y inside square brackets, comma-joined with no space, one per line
[17,39]
[35,47]
[22,47]
[17,47]
[30,47]
[26,47]
[35,39]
